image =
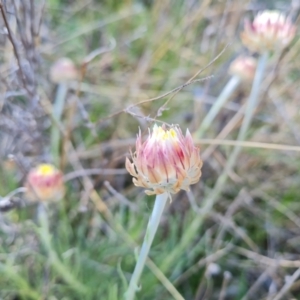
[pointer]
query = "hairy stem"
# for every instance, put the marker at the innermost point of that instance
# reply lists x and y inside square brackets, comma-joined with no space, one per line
[153,223]
[58,107]
[229,88]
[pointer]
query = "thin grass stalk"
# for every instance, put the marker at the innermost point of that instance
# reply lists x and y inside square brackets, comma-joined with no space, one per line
[193,229]
[58,107]
[288,285]
[9,202]
[153,223]
[228,90]
[251,105]
[56,263]
[23,286]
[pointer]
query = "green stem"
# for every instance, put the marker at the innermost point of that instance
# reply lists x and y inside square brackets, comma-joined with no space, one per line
[58,107]
[251,105]
[153,223]
[230,87]
[193,229]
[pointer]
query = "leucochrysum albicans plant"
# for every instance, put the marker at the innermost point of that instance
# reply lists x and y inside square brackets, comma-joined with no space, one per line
[45,184]
[165,163]
[269,32]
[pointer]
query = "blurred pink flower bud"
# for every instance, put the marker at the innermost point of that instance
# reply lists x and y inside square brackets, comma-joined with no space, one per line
[243,67]
[44,183]
[63,70]
[167,161]
[269,31]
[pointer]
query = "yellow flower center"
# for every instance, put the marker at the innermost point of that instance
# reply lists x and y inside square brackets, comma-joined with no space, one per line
[161,134]
[45,169]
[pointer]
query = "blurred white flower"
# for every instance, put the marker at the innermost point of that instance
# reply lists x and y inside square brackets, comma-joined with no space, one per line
[244,67]
[63,70]
[269,31]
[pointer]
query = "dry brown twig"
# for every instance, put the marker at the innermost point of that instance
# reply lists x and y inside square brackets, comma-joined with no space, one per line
[127,110]
[14,44]
[174,91]
[264,260]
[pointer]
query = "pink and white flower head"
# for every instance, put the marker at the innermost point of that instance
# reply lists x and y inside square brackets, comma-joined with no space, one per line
[269,31]
[167,161]
[244,67]
[44,183]
[63,70]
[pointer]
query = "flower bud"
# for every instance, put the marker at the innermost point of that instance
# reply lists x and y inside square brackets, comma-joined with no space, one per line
[212,269]
[167,161]
[44,183]
[269,31]
[244,67]
[63,70]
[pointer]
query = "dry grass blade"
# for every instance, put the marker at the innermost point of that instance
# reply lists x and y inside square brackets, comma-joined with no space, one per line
[288,285]
[249,144]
